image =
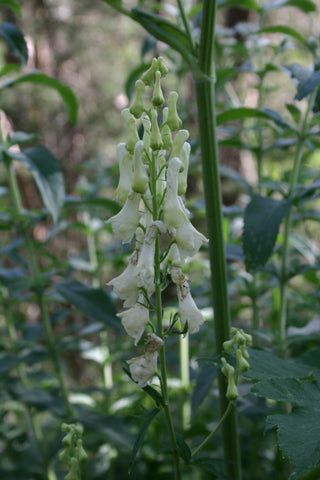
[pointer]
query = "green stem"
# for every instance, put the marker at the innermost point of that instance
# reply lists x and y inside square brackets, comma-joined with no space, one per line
[160,333]
[283,310]
[211,434]
[207,130]
[186,24]
[185,381]
[36,274]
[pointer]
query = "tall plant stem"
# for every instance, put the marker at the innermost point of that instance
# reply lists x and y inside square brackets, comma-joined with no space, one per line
[36,274]
[208,139]
[160,333]
[283,310]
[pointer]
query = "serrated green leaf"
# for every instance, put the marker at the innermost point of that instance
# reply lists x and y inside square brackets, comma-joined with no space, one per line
[65,92]
[94,302]
[47,174]
[15,40]
[262,219]
[148,420]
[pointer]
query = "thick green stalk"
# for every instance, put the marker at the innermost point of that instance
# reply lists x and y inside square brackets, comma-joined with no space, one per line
[207,130]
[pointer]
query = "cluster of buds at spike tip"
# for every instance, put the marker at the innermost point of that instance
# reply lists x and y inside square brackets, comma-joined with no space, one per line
[73,453]
[153,178]
[238,343]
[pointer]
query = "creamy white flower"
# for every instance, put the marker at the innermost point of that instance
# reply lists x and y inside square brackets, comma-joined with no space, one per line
[125,173]
[135,319]
[183,176]
[143,368]
[188,310]
[126,221]
[145,267]
[188,239]
[125,285]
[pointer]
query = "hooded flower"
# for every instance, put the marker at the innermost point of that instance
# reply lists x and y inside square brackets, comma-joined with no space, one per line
[145,267]
[125,174]
[188,310]
[143,368]
[125,285]
[135,319]
[188,239]
[126,221]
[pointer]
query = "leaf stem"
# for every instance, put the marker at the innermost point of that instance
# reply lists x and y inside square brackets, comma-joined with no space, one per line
[283,310]
[214,431]
[186,24]
[208,139]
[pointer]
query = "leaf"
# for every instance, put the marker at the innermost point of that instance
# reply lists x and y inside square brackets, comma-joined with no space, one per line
[183,448]
[94,302]
[65,92]
[246,112]
[295,382]
[245,4]
[15,6]
[15,41]
[262,219]
[308,86]
[286,31]
[306,6]
[166,32]
[211,465]
[204,381]
[47,174]
[148,420]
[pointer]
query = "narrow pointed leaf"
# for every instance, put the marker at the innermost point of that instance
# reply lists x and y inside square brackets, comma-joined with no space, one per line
[65,92]
[15,40]
[286,31]
[48,176]
[148,420]
[308,86]
[262,219]
[94,302]
[15,6]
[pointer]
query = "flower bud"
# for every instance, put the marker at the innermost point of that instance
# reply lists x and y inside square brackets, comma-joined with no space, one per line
[146,130]
[157,96]
[166,136]
[80,452]
[228,371]
[74,470]
[137,108]
[161,66]
[155,137]
[148,76]
[183,176]
[173,120]
[125,174]
[133,136]
[242,363]
[179,140]
[140,177]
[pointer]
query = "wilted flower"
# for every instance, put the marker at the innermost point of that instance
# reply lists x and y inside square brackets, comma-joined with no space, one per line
[188,310]
[143,368]
[126,221]
[135,319]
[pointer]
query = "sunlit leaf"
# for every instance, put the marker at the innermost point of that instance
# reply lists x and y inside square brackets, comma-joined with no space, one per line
[65,92]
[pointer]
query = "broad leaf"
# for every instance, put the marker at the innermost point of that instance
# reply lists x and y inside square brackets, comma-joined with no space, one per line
[262,219]
[15,41]
[297,383]
[48,176]
[94,302]
[65,92]
[148,420]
